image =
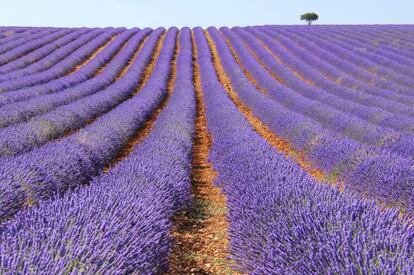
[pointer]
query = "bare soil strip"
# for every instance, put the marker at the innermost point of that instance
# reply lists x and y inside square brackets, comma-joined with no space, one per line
[277,142]
[252,53]
[296,73]
[94,54]
[130,61]
[245,71]
[145,129]
[200,231]
[143,79]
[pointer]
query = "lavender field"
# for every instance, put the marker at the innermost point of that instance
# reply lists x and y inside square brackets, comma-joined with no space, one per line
[295,142]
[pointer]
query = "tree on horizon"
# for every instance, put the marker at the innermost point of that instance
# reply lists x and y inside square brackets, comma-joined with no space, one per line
[309,17]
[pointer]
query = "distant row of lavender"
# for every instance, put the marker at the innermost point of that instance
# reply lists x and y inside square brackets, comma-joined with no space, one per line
[10,34]
[29,46]
[24,39]
[365,96]
[350,63]
[75,77]
[58,70]
[340,71]
[41,59]
[42,52]
[381,61]
[6,32]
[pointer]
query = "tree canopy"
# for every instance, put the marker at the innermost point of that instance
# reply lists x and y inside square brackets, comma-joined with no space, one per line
[309,17]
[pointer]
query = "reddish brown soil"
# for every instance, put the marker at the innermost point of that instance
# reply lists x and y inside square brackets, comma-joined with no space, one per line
[245,71]
[133,57]
[252,53]
[296,73]
[200,232]
[94,54]
[144,131]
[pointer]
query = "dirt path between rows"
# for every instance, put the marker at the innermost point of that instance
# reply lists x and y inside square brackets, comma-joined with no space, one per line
[200,232]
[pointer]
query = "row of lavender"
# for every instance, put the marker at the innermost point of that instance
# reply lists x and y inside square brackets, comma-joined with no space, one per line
[121,222]
[284,222]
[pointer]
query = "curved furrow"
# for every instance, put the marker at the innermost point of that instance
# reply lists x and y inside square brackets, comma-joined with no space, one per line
[43,52]
[59,69]
[26,39]
[92,56]
[135,201]
[218,53]
[31,46]
[142,133]
[111,99]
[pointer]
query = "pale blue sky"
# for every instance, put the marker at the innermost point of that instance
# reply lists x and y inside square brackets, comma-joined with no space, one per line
[154,13]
